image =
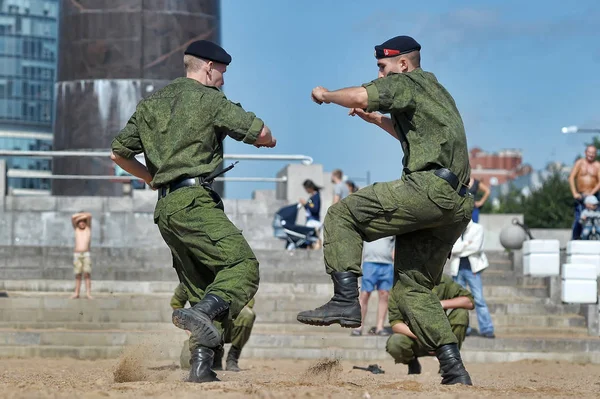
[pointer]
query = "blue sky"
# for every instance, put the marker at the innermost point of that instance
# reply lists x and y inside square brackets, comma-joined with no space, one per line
[518,71]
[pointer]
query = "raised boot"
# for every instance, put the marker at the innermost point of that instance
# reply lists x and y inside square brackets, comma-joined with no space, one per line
[453,369]
[343,308]
[199,320]
[232,359]
[200,366]
[414,367]
[218,359]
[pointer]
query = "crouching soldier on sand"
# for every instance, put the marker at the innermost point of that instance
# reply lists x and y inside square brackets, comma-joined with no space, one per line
[237,334]
[404,346]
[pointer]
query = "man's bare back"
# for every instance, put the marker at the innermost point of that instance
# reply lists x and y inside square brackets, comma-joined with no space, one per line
[82,223]
[585,176]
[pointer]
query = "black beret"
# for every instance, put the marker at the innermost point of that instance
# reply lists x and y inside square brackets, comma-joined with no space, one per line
[396,46]
[208,51]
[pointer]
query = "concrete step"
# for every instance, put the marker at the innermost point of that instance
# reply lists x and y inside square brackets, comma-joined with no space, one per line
[567,320]
[288,340]
[156,308]
[22,317]
[108,352]
[285,304]
[86,338]
[154,264]
[265,328]
[50,287]
[81,315]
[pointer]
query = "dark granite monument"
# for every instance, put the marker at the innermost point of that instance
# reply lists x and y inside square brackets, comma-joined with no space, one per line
[113,53]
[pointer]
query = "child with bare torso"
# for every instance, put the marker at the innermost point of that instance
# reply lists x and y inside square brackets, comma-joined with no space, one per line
[82,263]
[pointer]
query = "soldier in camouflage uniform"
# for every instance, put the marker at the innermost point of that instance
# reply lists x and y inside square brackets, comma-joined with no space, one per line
[180,129]
[427,209]
[405,347]
[237,334]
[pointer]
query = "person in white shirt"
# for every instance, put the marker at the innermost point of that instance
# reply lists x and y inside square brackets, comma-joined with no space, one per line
[466,265]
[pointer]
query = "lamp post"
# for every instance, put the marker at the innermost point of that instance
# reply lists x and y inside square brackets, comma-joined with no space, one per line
[576,129]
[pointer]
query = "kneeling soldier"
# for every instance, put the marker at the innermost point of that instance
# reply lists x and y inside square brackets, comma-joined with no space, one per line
[404,346]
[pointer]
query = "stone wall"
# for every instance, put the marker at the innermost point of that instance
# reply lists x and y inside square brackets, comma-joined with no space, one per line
[117,222]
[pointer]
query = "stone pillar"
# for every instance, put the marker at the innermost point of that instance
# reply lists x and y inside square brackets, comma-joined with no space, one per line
[112,54]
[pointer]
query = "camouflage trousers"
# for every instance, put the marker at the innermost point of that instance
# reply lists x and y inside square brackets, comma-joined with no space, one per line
[427,217]
[210,254]
[237,333]
[403,349]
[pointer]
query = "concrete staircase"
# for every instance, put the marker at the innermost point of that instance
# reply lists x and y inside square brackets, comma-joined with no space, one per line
[38,319]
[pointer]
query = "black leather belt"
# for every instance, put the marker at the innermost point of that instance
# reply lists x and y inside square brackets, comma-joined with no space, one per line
[452,179]
[193,181]
[176,185]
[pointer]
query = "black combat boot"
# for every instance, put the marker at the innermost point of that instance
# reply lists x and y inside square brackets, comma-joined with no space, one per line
[200,364]
[232,359]
[343,308]
[414,367]
[199,320]
[453,370]
[218,360]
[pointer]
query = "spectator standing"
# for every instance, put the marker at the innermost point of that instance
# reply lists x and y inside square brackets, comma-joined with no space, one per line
[313,208]
[340,189]
[475,186]
[82,261]
[378,274]
[467,263]
[584,181]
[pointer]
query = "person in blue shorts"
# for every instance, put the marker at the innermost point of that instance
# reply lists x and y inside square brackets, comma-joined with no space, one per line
[378,274]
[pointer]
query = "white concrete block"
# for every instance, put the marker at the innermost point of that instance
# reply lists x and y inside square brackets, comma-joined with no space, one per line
[579,271]
[583,247]
[579,291]
[541,246]
[541,264]
[585,259]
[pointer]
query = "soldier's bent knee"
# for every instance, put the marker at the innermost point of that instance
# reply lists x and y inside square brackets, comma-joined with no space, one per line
[399,346]
[460,317]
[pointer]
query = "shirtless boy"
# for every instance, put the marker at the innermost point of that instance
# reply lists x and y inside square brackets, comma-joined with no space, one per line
[584,180]
[82,263]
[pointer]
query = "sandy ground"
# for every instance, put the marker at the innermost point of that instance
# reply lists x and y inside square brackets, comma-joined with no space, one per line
[69,378]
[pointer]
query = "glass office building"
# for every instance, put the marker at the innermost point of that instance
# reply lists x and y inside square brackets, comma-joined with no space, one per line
[28,59]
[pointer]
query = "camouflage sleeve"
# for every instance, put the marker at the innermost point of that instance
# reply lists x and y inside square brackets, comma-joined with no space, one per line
[127,144]
[234,121]
[180,297]
[391,93]
[394,314]
[455,290]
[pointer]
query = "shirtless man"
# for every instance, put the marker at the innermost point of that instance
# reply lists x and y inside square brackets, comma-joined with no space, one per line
[82,263]
[584,180]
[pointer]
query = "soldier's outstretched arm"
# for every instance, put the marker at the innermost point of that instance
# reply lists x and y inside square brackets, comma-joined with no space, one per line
[350,97]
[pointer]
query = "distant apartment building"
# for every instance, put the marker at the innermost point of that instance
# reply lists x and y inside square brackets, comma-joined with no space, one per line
[28,55]
[497,168]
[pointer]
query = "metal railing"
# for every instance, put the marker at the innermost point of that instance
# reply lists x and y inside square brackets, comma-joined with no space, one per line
[305,159]
[40,174]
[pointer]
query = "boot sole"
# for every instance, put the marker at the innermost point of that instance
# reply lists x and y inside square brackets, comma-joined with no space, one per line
[464,380]
[208,378]
[201,327]
[346,323]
